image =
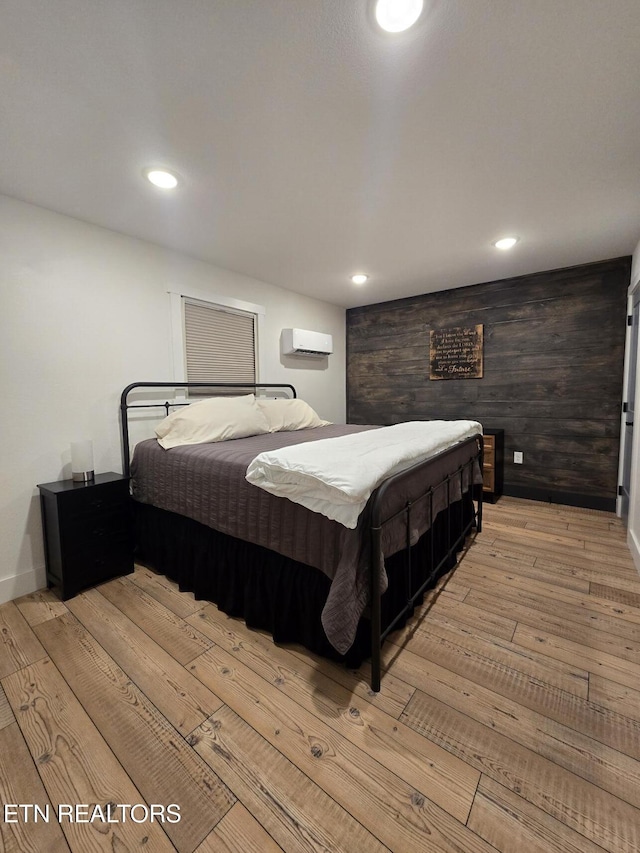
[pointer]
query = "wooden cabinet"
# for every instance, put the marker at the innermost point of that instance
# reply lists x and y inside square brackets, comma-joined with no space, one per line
[88,532]
[493,464]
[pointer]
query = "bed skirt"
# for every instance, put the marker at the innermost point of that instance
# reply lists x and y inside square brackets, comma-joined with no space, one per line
[272,592]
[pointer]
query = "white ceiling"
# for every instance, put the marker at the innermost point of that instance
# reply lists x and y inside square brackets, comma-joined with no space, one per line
[313,146]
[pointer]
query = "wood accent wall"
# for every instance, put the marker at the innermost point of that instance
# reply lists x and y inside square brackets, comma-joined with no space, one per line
[553,373]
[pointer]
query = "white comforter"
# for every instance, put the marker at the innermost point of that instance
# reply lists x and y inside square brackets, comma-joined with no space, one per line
[336,476]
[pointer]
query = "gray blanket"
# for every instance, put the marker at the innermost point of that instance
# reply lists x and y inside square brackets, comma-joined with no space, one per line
[206,482]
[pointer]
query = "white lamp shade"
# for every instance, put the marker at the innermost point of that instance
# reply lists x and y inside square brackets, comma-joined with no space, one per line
[82,460]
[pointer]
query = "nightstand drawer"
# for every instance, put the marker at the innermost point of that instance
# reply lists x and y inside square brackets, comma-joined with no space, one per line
[492,463]
[84,566]
[94,503]
[114,522]
[83,549]
[88,565]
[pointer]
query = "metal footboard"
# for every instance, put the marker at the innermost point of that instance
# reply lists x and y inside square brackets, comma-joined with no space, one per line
[378,524]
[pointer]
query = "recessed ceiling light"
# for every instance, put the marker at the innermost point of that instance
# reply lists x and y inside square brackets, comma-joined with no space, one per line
[161,178]
[505,243]
[394,16]
[360,278]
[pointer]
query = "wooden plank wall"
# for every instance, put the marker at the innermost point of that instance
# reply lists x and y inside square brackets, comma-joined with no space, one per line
[553,371]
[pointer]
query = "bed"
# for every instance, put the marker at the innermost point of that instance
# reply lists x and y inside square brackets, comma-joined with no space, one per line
[279,565]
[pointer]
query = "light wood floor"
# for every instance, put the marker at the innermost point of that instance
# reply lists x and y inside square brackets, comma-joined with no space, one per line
[509,717]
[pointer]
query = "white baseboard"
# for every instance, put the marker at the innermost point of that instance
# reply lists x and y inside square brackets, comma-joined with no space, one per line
[634,547]
[17,585]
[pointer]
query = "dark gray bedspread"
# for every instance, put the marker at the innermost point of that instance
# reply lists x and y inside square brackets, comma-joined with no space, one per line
[206,482]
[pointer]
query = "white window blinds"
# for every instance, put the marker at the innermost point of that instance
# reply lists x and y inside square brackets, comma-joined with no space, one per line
[220,343]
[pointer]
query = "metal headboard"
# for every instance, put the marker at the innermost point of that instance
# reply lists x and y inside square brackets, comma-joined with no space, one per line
[125,405]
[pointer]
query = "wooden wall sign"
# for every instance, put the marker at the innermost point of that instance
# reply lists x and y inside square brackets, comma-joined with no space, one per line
[456,353]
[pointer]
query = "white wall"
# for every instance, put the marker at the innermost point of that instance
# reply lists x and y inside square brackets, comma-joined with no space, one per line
[633,530]
[85,311]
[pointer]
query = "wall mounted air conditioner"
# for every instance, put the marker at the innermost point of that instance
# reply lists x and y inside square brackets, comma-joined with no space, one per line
[302,342]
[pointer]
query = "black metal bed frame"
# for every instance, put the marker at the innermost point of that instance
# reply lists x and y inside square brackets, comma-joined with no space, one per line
[378,521]
[125,406]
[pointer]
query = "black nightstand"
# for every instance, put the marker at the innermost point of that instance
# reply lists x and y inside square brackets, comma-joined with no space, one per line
[88,531]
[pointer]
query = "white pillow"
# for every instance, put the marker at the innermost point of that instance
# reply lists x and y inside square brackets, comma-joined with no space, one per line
[289,415]
[214,419]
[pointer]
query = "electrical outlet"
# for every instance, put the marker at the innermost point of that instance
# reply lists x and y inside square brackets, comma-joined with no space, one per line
[517,457]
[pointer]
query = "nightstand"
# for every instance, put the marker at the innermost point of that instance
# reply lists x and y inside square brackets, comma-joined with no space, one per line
[88,531]
[493,464]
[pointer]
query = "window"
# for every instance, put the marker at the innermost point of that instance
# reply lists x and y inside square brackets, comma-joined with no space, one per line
[220,343]
[215,337]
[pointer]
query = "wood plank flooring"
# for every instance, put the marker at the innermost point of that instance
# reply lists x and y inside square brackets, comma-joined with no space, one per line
[508,720]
